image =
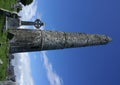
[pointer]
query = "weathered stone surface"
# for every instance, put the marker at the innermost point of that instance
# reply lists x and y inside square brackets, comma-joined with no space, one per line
[27,40]
[8,82]
[12,23]
[37,23]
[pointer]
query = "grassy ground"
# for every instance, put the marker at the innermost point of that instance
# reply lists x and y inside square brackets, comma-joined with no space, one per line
[4,52]
[6,4]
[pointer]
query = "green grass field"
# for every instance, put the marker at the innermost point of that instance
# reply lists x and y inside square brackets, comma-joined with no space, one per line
[4,45]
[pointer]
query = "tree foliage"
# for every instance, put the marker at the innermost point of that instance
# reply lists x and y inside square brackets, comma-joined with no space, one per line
[26,2]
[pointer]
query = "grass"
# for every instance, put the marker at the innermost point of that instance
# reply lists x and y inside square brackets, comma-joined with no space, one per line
[6,4]
[4,45]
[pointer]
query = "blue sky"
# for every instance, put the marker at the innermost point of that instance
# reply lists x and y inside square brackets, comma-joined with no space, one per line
[99,65]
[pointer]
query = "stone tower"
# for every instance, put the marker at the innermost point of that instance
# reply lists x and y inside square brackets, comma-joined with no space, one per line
[28,40]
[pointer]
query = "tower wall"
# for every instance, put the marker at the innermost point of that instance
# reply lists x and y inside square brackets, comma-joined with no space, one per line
[27,40]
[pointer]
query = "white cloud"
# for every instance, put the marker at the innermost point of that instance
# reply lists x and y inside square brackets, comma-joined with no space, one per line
[23,69]
[29,12]
[53,77]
